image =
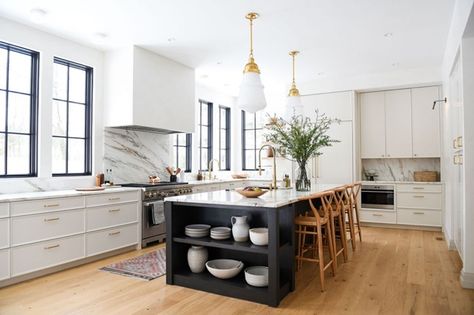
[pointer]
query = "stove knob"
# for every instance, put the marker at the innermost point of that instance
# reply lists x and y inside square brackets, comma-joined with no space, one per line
[165,194]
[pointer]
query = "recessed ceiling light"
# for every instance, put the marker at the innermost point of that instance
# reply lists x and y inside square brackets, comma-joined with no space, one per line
[100,37]
[388,35]
[219,62]
[320,73]
[38,15]
[226,84]
[204,76]
[171,40]
[395,64]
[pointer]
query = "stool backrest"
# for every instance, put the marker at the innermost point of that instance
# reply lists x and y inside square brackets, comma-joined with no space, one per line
[326,198]
[355,191]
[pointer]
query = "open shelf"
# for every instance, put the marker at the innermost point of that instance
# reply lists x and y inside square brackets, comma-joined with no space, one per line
[226,244]
[234,287]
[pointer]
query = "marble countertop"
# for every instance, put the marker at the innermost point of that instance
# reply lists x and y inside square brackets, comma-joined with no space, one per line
[375,182]
[223,181]
[60,193]
[272,199]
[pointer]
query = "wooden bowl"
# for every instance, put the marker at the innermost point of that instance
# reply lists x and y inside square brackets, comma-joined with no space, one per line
[250,193]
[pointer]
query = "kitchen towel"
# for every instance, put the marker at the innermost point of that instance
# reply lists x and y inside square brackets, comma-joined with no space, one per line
[157,209]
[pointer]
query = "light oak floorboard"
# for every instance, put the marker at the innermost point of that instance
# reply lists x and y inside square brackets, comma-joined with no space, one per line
[393,271]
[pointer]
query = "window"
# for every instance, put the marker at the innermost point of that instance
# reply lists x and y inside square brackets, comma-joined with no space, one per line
[18,111]
[224,138]
[205,134]
[252,139]
[72,118]
[182,151]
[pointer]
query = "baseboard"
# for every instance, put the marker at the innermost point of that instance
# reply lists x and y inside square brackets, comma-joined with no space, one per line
[467,279]
[402,226]
[449,242]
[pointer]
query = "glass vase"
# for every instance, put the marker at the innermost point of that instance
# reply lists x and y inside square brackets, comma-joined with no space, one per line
[303,183]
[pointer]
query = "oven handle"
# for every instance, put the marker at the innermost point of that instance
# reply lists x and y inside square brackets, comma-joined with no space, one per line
[147,204]
[378,191]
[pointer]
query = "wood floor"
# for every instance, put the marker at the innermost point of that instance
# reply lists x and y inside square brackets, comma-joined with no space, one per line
[393,272]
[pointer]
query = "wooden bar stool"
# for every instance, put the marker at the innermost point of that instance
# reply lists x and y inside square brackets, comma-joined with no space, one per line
[338,222]
[354,194]
[313,224]
[348,210]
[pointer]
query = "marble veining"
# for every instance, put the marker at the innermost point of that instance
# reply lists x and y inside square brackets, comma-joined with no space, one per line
[134,155]
[399,169]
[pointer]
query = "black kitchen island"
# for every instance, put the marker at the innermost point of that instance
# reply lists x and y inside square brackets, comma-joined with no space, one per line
[275,210]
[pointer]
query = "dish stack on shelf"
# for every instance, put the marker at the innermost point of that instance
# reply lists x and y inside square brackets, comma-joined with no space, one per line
[220,233]
[197,230]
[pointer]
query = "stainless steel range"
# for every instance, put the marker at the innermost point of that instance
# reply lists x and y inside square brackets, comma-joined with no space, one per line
[153,212]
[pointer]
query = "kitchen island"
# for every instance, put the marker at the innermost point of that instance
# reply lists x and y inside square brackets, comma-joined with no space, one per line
[276,210]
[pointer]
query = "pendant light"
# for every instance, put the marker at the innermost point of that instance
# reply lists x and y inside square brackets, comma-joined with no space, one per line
[294,107]
[251,96]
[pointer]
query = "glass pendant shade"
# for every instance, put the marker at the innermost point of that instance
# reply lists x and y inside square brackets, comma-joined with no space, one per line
[251,96]
[294,106]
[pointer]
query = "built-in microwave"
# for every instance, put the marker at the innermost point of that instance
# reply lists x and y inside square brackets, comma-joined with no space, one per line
[378,197]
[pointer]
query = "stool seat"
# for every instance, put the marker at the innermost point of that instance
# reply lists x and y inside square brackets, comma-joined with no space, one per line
[312,221]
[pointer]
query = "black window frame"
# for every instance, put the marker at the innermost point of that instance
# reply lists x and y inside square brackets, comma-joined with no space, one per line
[188,146]
[227,128]
[89,74]
[255,148]
[34,98]
[209,134]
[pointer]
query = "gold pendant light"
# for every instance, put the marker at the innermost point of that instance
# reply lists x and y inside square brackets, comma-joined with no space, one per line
[251,96]
[294,105]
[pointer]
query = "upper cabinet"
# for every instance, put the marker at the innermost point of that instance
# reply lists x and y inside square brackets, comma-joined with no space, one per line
[399,123]
[426,128]
[146,91]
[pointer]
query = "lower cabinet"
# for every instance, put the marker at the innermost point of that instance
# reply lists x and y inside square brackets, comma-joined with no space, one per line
[419,217]
[375,216]
[33,257]
[4,264]
[4,232]
[106,240]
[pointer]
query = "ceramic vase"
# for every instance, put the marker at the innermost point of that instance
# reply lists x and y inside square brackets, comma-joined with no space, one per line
[240,229]
[197,258]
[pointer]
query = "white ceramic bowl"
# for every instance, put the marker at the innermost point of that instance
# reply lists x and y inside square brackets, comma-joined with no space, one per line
[257,276]
[259,236]
[224,268]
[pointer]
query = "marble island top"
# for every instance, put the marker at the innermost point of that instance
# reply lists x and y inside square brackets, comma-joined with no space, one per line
[271,199]
[377,182]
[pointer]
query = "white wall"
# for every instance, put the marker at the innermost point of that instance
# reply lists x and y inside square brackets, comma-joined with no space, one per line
[50,46]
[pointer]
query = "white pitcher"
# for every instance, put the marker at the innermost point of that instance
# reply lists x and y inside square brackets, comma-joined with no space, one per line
[240,228]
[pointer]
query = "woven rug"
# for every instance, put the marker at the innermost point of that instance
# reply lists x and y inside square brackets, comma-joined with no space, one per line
[148,266]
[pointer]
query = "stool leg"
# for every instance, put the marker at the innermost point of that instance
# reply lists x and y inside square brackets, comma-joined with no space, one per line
[351,228]
[321,257]
[342,230]
[356,210]
[333,242]
[332,249]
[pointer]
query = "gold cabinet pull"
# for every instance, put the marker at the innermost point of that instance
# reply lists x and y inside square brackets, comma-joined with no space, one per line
[51,219]
[418,188]
[418,196]
[114,198]
[51,205]
[418,213]
[51,246]
[114,210]
[377,215]
[114,233]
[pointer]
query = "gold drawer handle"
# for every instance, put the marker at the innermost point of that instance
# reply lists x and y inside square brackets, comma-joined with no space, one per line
[114,233]
[418,196]
[418,187]
[114,210]
[377,215]
[114,198]
[51,219]
[52,246]
[418,213]
[51,205]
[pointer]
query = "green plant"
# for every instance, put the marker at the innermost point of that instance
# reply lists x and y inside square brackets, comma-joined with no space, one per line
[300,138]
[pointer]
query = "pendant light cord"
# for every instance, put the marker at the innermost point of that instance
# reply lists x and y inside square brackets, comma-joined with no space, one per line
[293,55]
[251,37]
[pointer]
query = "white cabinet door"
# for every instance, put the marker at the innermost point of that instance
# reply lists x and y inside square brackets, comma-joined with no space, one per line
[4,264]
[335,165]
[335,105]
[398,131]
[372,129]
[426,129]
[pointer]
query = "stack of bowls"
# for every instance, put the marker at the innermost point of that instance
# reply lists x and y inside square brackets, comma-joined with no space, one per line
[220,233]
[197,230]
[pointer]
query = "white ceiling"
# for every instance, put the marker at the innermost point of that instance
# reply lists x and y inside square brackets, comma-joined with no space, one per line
[336,38]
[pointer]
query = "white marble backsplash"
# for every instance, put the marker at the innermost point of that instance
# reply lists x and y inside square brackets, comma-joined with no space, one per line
[134,155]
[399,169]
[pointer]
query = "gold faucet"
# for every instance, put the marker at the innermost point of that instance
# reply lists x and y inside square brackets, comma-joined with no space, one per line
[274,180]
[211,166]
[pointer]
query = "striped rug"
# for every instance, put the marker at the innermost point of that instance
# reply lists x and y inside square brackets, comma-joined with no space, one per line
[148,266]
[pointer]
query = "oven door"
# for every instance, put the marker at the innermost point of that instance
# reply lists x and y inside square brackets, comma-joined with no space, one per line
[153,222]
[377,199]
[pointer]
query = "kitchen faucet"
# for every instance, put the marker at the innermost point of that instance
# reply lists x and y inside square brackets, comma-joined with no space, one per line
[211,165]
[274,180]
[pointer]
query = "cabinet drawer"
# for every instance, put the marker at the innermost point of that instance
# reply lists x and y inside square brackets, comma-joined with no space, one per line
[419,188]
[4,210]
[378,216]
[106,199]
[419,217]
[32,257]
[45,226]
[46,205]
[4,264]
[4,233]
[419,200]
[107,216]
[110,239]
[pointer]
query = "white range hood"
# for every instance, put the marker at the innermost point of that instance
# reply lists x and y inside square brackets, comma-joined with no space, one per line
[147,92]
